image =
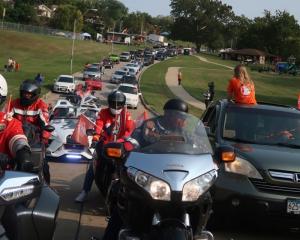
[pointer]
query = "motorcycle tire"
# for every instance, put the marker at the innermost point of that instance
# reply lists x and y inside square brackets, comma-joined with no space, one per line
[173,234]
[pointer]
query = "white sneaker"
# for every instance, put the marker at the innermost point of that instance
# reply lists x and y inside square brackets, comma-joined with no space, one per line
[81,197]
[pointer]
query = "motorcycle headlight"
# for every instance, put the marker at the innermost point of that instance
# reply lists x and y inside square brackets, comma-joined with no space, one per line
[243,167]
[10,194]
[193,189]
[158,189]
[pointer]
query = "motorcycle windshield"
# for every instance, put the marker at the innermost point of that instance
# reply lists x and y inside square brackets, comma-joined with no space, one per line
[174,132]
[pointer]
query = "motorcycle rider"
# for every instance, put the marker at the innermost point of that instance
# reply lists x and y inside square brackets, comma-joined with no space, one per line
[113,123]
[29,107]
[156,127]
[13,143]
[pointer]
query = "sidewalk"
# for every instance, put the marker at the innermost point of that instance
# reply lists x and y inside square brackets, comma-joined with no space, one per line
[179,91]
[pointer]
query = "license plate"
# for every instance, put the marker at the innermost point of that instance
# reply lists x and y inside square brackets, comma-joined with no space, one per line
[293,206]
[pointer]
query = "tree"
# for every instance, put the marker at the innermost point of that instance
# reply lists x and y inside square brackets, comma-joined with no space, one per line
[277,34]
[65,16]
[200,21]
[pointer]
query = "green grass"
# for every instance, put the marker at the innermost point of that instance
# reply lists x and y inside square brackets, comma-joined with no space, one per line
[153,86]
[270,87]
[49,55]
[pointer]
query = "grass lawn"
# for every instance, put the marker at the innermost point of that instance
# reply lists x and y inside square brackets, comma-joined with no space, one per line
[48,55]
[270,87]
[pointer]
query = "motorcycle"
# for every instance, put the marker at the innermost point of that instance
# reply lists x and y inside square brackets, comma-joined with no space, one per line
[28,208]
[165,174]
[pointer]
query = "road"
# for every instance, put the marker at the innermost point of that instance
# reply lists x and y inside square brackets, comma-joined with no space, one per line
[81,221]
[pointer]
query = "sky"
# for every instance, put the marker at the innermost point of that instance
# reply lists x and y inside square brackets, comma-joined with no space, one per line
[250,8]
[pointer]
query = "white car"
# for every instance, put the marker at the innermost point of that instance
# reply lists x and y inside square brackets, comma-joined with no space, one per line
[132,94]
[64,84]
[129,70]
[118,76]
[134,66]
[125,56]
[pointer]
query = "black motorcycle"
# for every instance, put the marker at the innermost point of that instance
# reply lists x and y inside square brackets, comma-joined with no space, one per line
[28,208]
[38,149]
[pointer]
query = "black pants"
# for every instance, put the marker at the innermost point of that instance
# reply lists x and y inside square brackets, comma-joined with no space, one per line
[113,227]
[46,172]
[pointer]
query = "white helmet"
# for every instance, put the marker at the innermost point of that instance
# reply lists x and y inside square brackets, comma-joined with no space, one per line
[3,89]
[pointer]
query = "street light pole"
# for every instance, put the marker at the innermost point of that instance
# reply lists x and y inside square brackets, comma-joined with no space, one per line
[3,15]
[113,38]
[73,43]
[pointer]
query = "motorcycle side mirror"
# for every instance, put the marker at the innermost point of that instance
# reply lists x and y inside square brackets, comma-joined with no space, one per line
[114,150]
[90,132]
[225,154]
[49,128]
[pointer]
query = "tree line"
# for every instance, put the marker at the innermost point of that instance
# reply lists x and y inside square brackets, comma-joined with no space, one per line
[209,23]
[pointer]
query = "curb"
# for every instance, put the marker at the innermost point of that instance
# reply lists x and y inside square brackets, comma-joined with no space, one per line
[146,106]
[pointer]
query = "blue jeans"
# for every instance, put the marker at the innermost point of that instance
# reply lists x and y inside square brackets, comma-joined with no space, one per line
[89,178]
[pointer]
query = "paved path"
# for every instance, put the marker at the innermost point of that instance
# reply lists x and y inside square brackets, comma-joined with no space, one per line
[179,91]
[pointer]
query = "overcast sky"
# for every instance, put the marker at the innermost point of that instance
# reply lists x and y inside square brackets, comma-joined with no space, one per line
[250,8]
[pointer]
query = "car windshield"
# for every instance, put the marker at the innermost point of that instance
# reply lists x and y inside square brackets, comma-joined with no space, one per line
[120,73]
[128,89]
[260,126]
[65,79]
[125,54]
[92,69]
[175,132]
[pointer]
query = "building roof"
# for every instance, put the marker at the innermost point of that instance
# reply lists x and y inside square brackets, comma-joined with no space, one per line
[250,52]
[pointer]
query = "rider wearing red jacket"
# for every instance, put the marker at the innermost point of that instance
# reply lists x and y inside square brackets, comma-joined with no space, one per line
[30,108]
[13,142]
[114,122]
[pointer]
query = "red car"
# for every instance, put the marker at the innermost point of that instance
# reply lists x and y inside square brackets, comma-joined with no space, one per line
[93,84]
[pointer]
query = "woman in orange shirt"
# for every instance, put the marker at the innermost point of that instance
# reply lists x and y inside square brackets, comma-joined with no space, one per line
[241,87]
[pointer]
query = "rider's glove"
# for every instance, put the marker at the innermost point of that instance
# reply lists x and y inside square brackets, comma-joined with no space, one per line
[96,138]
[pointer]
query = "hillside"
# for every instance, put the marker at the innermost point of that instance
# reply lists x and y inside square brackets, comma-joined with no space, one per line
[48,55]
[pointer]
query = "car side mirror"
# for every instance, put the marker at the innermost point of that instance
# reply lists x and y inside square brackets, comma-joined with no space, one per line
[225,153]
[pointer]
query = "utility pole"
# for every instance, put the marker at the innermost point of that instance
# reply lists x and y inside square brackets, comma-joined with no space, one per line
[73,43]
[3,15]
[113,38]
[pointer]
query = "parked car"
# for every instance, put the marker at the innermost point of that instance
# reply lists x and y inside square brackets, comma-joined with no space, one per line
[129,70]
[148,61]
[114,58]
[131,93]
[107,63]
[125,56]
[64,84]
[131,79]
[264,176]
[118,76]
[92,72]
[160,56]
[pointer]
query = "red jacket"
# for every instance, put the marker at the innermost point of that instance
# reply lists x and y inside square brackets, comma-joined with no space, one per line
[11,135]
[37,114]
[106,123]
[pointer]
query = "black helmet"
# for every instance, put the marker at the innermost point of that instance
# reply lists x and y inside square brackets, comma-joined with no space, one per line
[29,86]
[116,101]
[176,104]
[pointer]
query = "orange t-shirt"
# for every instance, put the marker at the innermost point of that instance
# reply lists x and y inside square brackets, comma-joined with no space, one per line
[242,93]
